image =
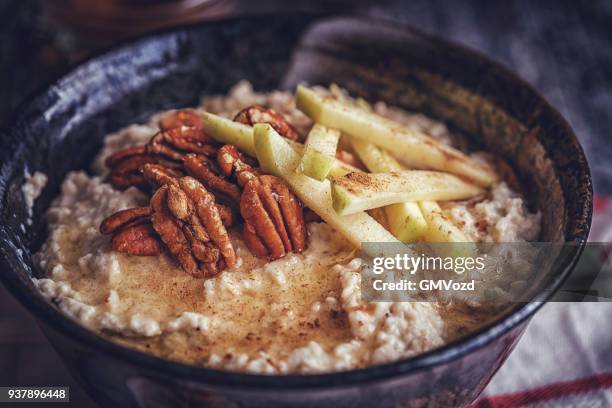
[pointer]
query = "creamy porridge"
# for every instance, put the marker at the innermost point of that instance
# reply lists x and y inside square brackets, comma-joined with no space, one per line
[302,313]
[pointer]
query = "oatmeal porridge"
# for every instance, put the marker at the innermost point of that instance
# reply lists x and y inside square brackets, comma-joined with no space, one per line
[288,302]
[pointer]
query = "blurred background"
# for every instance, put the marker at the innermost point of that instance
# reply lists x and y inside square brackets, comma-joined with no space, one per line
[563,48]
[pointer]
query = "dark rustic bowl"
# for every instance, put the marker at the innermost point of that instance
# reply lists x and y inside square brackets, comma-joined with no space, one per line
[61,129]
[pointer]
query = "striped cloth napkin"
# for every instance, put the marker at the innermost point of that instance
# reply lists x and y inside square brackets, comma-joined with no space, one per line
[564,359]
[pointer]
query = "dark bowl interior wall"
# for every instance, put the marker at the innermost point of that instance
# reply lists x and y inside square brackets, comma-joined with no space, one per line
[63,128]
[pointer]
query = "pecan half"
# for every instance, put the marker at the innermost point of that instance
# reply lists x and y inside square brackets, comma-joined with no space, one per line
[180,118]
[181,134]
[177,142]
[274,222]
[259,114]
[206,172]
[133,233]
[273,218]
[159,175]
[140,240]
[125,167]
[234,164]
[120,155]
[123,218]
[187,219]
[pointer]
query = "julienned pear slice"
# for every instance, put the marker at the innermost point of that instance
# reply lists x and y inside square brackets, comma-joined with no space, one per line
[357,192]
[403,142]
[377,160]
[404,220]
[441,229]
[277,157]
[225,130]
[319,152]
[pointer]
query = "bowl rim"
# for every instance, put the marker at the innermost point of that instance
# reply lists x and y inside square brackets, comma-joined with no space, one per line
[57,321]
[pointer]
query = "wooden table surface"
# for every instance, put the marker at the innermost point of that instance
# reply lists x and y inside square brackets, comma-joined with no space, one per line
[563,48]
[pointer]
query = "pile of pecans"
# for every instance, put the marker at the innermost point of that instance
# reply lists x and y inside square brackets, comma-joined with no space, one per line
[196,187]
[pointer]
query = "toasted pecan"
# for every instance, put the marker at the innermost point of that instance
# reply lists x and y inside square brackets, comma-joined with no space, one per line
[180,118]
[274,215]
[188,220]
[259,114]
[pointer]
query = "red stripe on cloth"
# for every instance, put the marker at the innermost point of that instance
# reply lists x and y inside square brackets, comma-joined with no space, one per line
[548,392]
[601,202]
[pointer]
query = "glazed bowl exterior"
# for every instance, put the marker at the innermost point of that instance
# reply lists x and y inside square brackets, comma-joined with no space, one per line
[61,129]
